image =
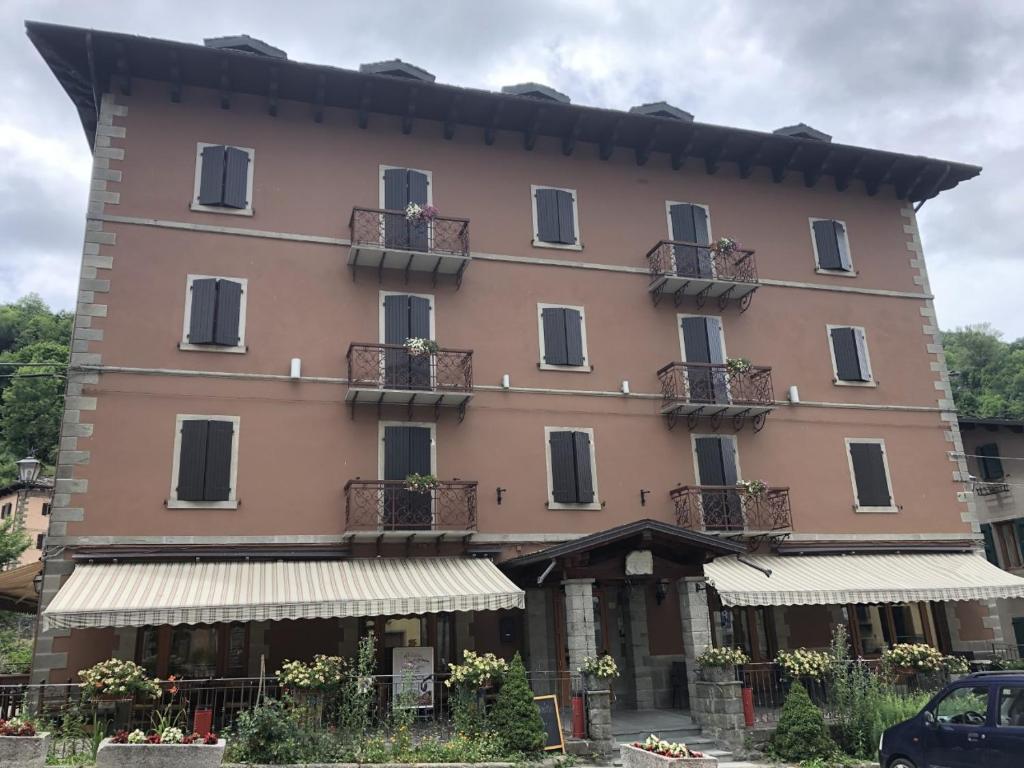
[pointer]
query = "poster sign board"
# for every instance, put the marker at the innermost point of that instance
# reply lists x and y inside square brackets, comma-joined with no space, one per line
[548,706]
[413,670]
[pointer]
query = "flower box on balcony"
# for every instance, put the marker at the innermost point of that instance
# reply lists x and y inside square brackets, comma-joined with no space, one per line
[159,755]
[635,757]
[24,751]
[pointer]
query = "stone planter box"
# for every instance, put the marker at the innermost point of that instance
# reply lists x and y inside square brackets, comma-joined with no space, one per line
[634,757]
[24,751]
[111,755]
[718,674]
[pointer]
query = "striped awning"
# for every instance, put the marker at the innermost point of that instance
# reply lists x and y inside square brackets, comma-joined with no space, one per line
[139,594]
[832,579]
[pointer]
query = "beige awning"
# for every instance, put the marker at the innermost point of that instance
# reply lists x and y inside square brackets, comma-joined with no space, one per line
[17,591]
[829,579]
[138,594]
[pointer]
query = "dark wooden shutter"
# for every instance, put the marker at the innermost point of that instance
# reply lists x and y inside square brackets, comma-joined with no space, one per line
[710,467]
[1018,527]
[681,216]
[844,348]
[419,231]
[705,267]
[862,354]
[419,327]
[827,245]
[229,308]
[418,188]
[990,544]
[396,453]
[204,309]
[991,464]
[700,378]
[842,246]
[555,348]
[573,337]
[192,460]
[396,198]
[584,477]
[211,176]
[236,178]
[396,331]
[419,451]
[869,474]
[217,485]
[728,450]
[548,230]
[563,467]
[566,217]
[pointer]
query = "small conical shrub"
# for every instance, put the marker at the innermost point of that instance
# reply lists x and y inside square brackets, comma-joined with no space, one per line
[515,716]
[801,733]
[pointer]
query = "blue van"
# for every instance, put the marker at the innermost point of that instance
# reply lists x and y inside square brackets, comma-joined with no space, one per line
[974,722]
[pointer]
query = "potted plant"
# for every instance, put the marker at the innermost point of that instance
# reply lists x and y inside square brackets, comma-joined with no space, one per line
[810,668]
[598,672]
[724,246]
[956,667]
[658,753]
[416,213]
[21,745]
[470,682]
[910,659]
[718,665]
[737,366]
[169,748]
[755,488]
[421,347]
[420,483]
[117,680]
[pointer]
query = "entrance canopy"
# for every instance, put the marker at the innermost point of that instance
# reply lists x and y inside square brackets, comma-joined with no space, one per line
[840,579]
[139,594]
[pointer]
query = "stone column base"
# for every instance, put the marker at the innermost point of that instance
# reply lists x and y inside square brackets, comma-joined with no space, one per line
[599,720]
[718,709]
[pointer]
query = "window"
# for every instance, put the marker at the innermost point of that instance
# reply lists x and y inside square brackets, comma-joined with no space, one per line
[690,223]
[831,247]
[1006,536]
[205,463]
[5,511]
[199,651]
[963,706]
[406,316]
[223,181]
[702,343]
[398,188]
[876,627]
[563,338]
[851,364]
[555,218]
[406,449]
[47,506]
[990,543]
[214,314]
[989,463]
[1011,706]
[716,467]
[572,468]
[869,470]
[40,540]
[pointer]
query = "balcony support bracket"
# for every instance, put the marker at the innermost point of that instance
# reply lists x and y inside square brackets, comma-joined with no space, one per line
[462,409]
[656,295]
[724,296]
[433,272]
[702,297]
[716,419]
[693,418]
[738,419]
[745,300]
[677,297]
[759,420]
[671,418]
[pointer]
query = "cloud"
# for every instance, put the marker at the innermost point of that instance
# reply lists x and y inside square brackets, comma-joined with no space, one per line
[939,79]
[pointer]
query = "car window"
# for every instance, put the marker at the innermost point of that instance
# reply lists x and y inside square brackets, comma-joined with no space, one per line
[1011,705]
[963,706]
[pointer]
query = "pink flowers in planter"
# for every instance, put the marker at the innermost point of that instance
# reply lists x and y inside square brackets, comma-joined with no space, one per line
[415,212]
[666,748]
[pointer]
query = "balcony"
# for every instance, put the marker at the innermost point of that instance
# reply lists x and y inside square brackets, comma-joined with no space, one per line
[388,374]
[716,391]
[990,488]
[732,509]
[383,239]
[684,269]
[387,506]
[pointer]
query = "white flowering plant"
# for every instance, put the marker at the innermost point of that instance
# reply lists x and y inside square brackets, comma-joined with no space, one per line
[737,366]
[756,488]
[477,671]
[421,347]
[118,678]
[171,736]
[415,212]
[324,673]
[956,665]
[724,246]
[919,657]
[666,748]
[602,667]
[420,483]
[804,663]
[722,657]
[137,737]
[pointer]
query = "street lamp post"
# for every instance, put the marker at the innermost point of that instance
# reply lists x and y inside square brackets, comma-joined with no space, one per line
[28,473]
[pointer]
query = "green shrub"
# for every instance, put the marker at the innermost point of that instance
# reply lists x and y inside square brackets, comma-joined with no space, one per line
[801,733]
[515,716]
[277,732]
[892,708]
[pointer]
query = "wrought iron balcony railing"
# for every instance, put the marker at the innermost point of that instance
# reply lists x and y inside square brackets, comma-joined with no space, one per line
[683,269]
[716,390]
[384,239]
[732,509]
[388,373]
[990,487]
[388,505]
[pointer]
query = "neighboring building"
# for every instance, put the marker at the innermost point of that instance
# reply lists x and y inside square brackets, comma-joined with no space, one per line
[31,505]
[995,456]
[251,275]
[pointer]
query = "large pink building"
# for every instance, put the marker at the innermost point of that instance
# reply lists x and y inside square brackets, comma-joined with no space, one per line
[611,424]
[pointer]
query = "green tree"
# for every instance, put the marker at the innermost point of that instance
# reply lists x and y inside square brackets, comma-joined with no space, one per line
[801,733]
[32,401]
[987,373]
[515,717]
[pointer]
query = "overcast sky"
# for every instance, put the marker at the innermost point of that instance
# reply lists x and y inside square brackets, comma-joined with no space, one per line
[943,79]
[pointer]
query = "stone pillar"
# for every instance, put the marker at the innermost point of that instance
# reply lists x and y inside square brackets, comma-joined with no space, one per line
[599,721]
[640,647]
[579,621]
[696,624]
[718,709]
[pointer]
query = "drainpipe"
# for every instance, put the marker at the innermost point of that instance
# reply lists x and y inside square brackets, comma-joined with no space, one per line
[549,569]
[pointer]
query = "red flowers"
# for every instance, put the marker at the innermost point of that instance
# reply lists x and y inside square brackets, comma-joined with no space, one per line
[153,738]
[16,727]
[121,737]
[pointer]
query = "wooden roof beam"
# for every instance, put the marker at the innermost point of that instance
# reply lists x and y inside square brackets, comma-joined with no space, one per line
[530,134]
[174,77]
[452,117]
[123,76]
[904,189]
[225,84]
[643,153]
[712,159]
[272,89]
[843,179]
[936,185]
[678,156]
[872,185]
[363,114]
[320,98]
[780,169]
[608,142]
[813,175]
[570,139]
[410,112]
[491,129]
[747,162]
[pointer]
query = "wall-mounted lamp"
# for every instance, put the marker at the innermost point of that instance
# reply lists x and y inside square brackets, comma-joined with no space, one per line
[660,592]
[506,381]
[296,368]
[625,387]
[794,393]
[500,491]
[699,586]
[643,497]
